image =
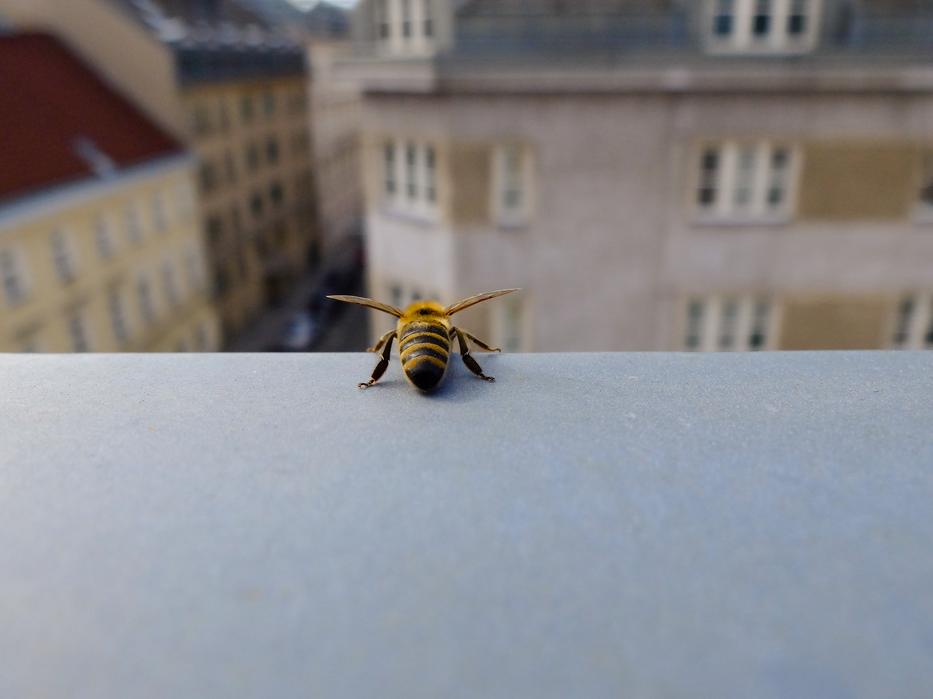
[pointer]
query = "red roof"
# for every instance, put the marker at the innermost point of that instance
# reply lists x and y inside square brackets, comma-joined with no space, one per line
[50,101]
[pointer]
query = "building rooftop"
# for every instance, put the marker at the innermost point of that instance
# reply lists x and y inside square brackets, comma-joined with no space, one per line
[62,123]
[218,40]
[588,525]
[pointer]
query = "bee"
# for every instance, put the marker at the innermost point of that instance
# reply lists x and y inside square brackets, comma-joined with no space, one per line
[424,333]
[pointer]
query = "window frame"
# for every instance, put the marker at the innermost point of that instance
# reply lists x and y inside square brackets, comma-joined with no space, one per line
[777,40]
[919,322]
[16,269]
[709,329]
[724,209]
[502,181]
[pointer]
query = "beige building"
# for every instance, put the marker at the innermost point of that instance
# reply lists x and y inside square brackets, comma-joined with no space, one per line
[336,108]
[100,243]
[667,174]
[236,94]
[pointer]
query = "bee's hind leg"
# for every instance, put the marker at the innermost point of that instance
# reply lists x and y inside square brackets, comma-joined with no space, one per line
[383,364]
[471,363]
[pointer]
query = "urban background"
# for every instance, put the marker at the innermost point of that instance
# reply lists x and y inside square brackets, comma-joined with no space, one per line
[679,175]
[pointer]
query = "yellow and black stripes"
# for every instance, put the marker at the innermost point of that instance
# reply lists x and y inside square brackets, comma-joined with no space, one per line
[425,349]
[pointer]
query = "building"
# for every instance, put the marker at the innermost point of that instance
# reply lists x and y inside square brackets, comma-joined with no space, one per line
[234,91]
[100,243]
[657,175]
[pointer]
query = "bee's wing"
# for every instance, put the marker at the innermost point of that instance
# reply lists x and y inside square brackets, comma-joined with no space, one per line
[479,298]
[378,305]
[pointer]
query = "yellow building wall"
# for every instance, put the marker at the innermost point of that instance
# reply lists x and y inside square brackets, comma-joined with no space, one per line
[858,181]
[830,322]
[170,240]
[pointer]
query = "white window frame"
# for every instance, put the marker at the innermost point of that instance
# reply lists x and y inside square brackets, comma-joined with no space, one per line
[119,319]
[710,333]
[64,258]
[148,308]
[725,208]
[917,324]
[169,279]
[394,15]
[104,239]
[77,319]
[504,180]
[132,222]
[416,174]
[14,274]
[778,40]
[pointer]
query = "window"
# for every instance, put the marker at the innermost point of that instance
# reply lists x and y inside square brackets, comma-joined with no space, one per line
[201,337]
[144,296]
[63,257]
[223,115]
[762,26]
[913,323]
[118,315]
[276,194]
[256,205]
[194,269]
[201,120]
[215,230]
[411,170]
[925,195]
[406,19]
[728,324]
[230,167]
[159,219]
[77,331]
[170,283]
[246,109]
[184,200]
[396,294]
[208,177]
[268,103]
[746,182]
[511,184]
[388,159]
[427,18]
[383,25]
[252,157]
[11,271]
[761,20]
[272,150]
[723,18]
[103,237]
[419,174]
[430,174]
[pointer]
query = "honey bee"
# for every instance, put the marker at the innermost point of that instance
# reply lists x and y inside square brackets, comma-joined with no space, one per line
[424,332]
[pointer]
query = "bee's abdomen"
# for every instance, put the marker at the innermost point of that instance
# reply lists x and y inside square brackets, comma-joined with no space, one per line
[425,348]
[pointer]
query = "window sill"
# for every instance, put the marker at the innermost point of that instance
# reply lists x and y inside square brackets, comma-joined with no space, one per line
[736,222]
[422,219]
[922,215]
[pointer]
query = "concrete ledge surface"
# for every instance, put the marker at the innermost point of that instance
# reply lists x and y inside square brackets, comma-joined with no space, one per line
[589,525]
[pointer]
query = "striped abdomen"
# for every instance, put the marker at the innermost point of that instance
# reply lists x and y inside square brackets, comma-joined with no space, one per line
[425,347]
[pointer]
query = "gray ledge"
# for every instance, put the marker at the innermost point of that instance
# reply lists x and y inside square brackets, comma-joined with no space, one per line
[589,525]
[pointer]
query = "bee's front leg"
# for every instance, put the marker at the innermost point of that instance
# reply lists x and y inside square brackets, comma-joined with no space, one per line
[383,364]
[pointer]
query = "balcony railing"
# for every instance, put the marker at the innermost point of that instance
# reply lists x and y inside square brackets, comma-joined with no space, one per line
[588,525]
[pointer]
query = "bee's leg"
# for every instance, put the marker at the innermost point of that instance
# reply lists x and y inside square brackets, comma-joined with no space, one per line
[382,341]
[383,362]
[479,342]
[467,359]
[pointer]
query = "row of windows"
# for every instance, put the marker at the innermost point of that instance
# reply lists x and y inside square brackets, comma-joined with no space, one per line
[763,25]
[410,180]
[150,305]
[214,173]
[404,24]
[15,267]
[728,324]
[747,323]
[208,118]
